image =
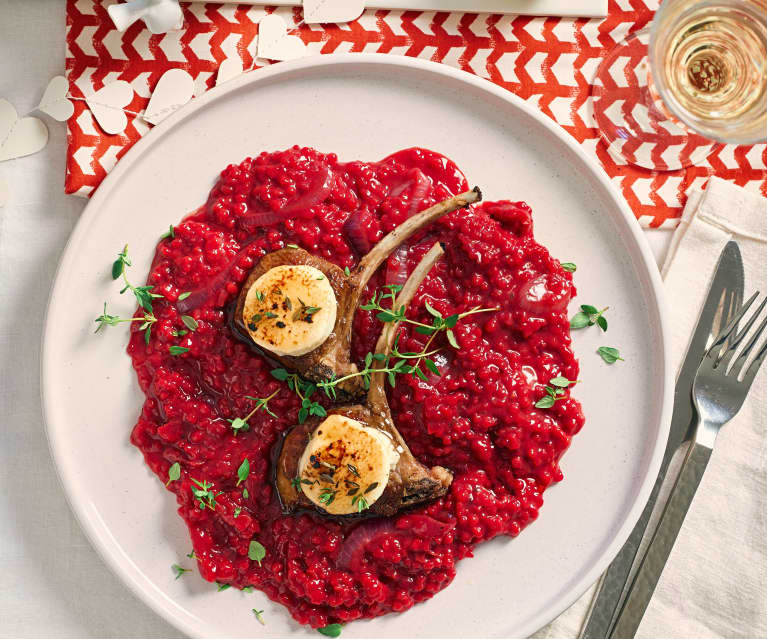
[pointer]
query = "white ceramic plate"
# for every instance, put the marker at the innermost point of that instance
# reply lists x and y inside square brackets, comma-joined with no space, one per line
[364,106]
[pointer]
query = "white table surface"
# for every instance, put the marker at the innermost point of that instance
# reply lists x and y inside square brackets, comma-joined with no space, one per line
[52,583]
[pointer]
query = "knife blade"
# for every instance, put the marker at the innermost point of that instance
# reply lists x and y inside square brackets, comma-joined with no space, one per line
[724,296]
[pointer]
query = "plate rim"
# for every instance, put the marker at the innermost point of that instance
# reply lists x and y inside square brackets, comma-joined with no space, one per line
[107,548]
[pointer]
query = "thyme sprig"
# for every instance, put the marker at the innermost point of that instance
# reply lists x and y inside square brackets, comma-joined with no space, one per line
[105,319]
[240,424]
[297,481]
[305,312]
[328,495]
[143,295]
[180,570]
[555,390]
[403,362]
[329,386]
[391,365]
[439,323]
[204,494]
[304,390]
[588,316]
[359,499]
[362,504]
[259,615]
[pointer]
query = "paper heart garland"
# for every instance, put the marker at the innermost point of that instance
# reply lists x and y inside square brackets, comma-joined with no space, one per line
[174,89]
[107,106]
[19,136]
[55,100]
[274,43]
[316,11]
[228,69]
[159,16]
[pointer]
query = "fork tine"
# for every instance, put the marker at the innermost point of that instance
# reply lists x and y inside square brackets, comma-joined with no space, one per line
[732,344]
[758,360]
[743,356]
[731,326]
[742,333]
[731,303]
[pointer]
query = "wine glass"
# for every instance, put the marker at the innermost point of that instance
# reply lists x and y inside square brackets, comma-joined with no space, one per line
[667,95]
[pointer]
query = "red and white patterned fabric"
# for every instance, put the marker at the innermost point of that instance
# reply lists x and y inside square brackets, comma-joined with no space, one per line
[549,62]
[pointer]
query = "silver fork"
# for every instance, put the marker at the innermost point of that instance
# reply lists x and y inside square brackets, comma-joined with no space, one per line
[720,388]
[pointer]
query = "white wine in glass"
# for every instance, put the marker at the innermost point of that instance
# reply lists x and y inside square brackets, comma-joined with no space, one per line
[709,63]
[704,79]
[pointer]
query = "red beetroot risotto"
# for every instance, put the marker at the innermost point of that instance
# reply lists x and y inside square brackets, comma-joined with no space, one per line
[477,419]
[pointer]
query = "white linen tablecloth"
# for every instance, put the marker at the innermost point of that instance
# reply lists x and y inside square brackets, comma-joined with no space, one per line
[715,581]
[52,583]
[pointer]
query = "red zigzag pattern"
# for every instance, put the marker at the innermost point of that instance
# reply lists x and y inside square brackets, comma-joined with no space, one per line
[547,61]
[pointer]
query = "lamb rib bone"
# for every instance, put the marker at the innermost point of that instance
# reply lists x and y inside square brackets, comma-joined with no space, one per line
[332,359]
[410,482]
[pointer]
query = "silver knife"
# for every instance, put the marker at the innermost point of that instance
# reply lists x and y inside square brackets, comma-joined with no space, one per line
[724,297]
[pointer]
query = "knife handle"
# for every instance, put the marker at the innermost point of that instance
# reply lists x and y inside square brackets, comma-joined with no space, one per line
[615,581]
[642,587]
[605,604]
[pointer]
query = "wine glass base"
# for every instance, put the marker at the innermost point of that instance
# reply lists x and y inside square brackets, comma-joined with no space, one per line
[631,119]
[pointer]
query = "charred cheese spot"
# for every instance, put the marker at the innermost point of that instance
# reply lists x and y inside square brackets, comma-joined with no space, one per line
[346,465]
[290,310]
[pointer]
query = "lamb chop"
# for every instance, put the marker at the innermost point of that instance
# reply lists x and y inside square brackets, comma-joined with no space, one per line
[298,308]
[354,460]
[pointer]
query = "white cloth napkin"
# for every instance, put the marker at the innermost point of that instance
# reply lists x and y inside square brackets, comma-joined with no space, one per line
[715,582]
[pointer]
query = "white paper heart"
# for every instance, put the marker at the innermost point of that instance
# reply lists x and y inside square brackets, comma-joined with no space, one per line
[107,106]
[158,15]
[174,89]
[228,69]
[274,43]
[316,11]
[164,16]
[19,136]
[125,14]
[55,102]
